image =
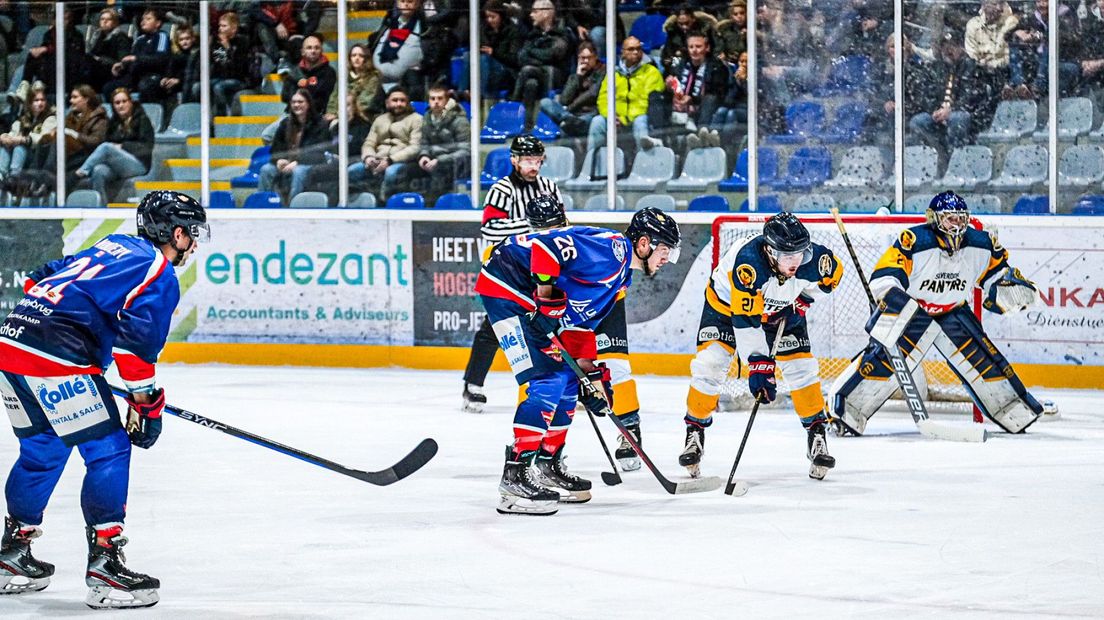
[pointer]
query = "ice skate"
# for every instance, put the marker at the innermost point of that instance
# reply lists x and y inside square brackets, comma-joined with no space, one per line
[818,453]
[695,448]
[20,572]
[521,494]
[474,398]
[111,584]
[551,473]
[627,458]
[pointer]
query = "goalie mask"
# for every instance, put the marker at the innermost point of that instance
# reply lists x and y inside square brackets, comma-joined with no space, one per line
[948,214]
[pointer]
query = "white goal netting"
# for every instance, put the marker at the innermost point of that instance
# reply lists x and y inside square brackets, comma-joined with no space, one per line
[836,322]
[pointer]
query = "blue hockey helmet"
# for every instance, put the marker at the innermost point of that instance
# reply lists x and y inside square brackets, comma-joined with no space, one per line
[545,211]
[948,214]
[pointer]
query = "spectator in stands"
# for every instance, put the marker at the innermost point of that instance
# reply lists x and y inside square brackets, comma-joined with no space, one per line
[397,45]
[1028,52]
[394,139]
[323,176]
[85,128]
[141,70]
[574,108]
[635,79]
[445,153]
[882,103]
[543,59]
[41,66]
[229,64]
[20,145]
[181,80]
[862,27]
[300,143]
[500,40]
[987,43]
[438,43]
[278,31]
[106,46]
[364,85]
[679,27]
[585,19]
[127,149]
[695,90]
[960,104]
[732,32]
[1092,46]
[314,73]
[788,56]
[731,116]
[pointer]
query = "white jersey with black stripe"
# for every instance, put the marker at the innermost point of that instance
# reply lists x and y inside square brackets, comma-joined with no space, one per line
[509,198]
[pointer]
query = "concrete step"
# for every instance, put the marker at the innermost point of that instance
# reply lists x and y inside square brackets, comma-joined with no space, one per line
[226,148]
[191,188]
[191,169]
[262,105]
[242,126]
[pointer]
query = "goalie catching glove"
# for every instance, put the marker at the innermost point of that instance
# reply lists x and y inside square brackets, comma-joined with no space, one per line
[596,402]
[1011,293]
[144,419]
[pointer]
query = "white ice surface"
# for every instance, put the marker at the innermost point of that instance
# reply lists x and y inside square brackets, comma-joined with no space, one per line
[903,527]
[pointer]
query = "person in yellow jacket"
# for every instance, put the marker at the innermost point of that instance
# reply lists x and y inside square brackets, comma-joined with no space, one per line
[636,77]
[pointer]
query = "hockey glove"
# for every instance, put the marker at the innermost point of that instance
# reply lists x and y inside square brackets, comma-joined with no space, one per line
[761,378]
[546,318]
[144,420]
[1011,293]
[601,379]
[799,307]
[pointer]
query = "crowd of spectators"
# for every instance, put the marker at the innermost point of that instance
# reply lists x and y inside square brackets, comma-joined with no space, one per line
[691,91]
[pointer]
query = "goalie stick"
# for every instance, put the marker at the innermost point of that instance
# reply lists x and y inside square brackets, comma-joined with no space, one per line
[697,485]
[928,428]
[409,464]
[740,488]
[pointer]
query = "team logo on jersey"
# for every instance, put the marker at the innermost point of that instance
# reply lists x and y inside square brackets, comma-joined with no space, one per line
[908,239]
[997,247]
[825,265]
[745,275]
[619,250]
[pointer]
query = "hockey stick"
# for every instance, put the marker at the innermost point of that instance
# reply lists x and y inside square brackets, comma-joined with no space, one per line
[739,489]
[407,465]
[697,485]
[610,478]
[928,428]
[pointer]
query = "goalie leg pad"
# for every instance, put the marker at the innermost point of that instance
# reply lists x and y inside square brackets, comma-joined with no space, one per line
[985,372]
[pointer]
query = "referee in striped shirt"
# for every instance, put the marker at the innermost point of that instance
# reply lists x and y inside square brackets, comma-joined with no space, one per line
[503,216]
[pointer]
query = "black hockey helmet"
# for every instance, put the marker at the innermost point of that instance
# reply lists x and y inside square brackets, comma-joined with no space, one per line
[545,211]
[161,212]
[658,227]
[785,234]
[526,146]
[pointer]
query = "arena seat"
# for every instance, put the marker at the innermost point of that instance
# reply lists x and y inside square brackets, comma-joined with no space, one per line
[497,166]
[263,200]
[709,202]
[768,171]
[1089,205]
[559,163]
[1032,205]
[598,202]
[860,166]
[847,123]
[252,176]
[768,203]
[309,200]
[702,168]
[663,202]
[222,199]
[921,166]
[968,167]
[1081,165]
[456,200]
[504,121]
[595,161]
[650,170]
[804,119]
[848,74]
[808,167]
[813,202]
[1024,166]
[406,200]
[983,203]
[1075,119]
[1013,120]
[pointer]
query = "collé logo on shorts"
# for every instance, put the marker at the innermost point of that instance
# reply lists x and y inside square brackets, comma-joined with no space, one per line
[50,399]
[512,340]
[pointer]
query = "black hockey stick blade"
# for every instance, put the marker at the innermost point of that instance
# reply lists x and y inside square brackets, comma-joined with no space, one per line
[409,464]
[611,478]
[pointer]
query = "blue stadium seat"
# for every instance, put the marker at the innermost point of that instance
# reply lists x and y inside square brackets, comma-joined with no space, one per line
[497,166]
[263,200]
[708,202]
[804,119]
[1089,205]
[222,199]
[406,200]
[768,171]
[848,74]
[505,120]
[769,203]
[456,65]
[546,129]
[419,106]
[808,167]
[631,5]
[847,124]
[252,177]
[649,29]
[1032,205]
[454,201]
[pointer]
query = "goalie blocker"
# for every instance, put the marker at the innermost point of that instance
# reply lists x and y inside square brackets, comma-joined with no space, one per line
[957,334]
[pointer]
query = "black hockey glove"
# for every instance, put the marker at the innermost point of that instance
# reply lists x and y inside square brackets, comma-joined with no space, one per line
[596,403]
[761,378]
[144,420]
[546,318]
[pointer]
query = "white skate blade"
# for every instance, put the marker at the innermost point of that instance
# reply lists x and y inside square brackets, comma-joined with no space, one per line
[572,497]
[472,407]
[106,597]
[629,464]
[513,505]
[18,584]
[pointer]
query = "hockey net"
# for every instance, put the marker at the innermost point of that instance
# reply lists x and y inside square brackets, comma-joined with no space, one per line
[837,321]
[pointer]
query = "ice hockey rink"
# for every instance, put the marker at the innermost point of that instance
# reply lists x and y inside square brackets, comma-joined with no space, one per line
[904,526]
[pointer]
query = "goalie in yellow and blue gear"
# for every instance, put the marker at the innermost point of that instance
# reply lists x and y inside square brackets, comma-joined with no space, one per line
[938,264]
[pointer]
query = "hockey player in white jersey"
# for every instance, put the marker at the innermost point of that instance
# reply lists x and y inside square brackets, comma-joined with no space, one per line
[757,284]
[923,283]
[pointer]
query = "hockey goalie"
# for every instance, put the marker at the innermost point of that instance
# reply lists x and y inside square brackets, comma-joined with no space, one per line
[923,284]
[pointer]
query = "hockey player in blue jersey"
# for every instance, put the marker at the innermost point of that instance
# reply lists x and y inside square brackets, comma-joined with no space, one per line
[563,279]
[111,302]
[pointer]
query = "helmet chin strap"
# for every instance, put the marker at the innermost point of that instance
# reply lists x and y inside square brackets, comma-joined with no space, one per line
[178,260]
